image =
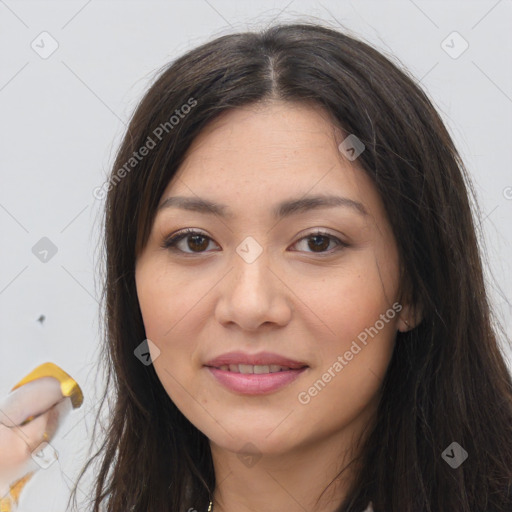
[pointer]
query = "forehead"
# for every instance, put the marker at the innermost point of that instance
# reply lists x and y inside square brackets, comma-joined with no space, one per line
[253,157]
[306,123]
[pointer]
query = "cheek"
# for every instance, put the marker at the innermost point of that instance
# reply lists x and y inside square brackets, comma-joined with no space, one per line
[172,306]
[353,363]
[352,297]
[168,299]
[356,308]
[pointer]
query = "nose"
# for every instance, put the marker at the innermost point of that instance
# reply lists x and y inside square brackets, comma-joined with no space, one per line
[254,294]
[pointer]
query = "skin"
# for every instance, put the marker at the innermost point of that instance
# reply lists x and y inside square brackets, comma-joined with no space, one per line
[306,304]
[41,399]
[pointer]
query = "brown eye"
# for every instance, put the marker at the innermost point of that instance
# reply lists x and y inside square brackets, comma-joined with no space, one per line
[319,242]
[197,242]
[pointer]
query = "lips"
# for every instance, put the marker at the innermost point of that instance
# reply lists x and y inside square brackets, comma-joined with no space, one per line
[255,374]
[253,369]
[244,361]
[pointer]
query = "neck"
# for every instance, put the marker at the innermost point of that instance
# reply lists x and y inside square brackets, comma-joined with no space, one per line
[294,481]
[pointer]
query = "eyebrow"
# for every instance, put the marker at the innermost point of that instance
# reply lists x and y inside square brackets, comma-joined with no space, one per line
[281,210]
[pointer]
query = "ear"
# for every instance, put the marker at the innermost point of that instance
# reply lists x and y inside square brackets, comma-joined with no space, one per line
[409,317]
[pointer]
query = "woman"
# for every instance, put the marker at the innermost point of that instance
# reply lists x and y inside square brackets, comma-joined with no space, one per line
[289,242]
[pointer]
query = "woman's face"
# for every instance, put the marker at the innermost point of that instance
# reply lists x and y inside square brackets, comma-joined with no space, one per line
[255,278]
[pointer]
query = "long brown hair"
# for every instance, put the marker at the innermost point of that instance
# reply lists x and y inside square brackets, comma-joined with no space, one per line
[447,380]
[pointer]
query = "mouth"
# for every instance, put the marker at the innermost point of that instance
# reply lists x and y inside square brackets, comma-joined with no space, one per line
[257,369]
[248,379]
[262,362]
[254,374]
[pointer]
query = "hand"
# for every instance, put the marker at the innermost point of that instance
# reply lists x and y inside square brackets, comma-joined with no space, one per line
[30,416]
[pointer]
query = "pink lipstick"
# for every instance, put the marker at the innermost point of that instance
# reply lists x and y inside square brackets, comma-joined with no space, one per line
[255,374]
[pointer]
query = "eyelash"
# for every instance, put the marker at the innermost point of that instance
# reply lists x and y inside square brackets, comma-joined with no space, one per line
[171,241]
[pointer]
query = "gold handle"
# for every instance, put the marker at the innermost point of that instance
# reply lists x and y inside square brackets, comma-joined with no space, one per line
[68,385]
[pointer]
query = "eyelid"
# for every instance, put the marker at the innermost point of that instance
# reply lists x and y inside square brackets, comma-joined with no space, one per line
[340,244]
[170,241]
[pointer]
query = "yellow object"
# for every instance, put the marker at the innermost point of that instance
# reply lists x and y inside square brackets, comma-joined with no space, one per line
[69,387]
[14,493]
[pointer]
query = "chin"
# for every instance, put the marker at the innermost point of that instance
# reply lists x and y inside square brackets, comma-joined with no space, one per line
[248,439]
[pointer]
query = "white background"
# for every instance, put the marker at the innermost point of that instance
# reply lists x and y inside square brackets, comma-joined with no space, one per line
[62,117]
